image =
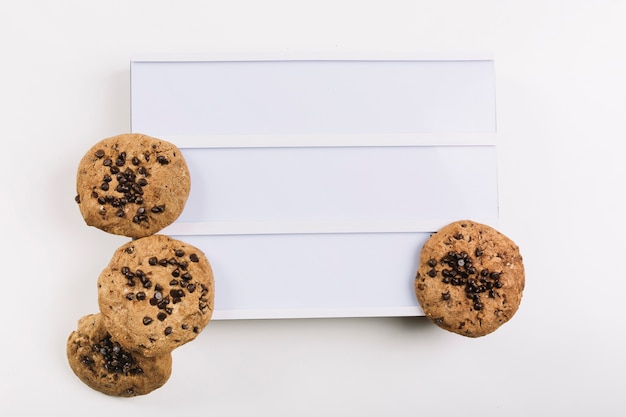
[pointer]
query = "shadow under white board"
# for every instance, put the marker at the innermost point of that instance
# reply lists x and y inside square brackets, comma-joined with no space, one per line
[316,182]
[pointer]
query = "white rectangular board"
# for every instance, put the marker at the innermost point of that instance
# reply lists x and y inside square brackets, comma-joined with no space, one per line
[315,182]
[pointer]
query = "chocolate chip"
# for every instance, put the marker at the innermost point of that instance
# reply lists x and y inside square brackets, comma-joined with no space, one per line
[194,258]
[116,359]
[177,293]
[432,273]
[445,295]
[179,252]
[432,262]
[121,159]
[153,261]
[448,273]
[141,296]
[167,331]
[87,360]
[161,316]
[162,304]
[147,320]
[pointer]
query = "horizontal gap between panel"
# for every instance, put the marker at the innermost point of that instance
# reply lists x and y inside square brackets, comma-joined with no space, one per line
[304,313]
[340,140]
[309,227]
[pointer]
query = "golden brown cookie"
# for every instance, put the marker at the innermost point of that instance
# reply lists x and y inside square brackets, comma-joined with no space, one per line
[156,294]
[101,363]
[132,185]
[470,278]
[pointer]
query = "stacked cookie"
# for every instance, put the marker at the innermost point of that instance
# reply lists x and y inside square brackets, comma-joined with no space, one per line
[156,293]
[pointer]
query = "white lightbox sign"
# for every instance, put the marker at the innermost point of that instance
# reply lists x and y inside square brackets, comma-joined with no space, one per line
[315,181]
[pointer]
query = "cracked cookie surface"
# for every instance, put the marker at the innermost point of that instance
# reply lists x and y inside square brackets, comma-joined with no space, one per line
[470,278]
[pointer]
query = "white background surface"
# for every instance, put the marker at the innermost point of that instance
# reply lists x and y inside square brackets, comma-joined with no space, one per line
[561,103]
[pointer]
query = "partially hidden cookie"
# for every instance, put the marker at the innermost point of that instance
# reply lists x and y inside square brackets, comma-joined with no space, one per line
[470,278]
[102,364]
[156,294]
[132,185]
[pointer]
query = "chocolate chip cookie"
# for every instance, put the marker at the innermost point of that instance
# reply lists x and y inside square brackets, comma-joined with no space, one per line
[102,364]
[156,294]
[470,278]
[132,185]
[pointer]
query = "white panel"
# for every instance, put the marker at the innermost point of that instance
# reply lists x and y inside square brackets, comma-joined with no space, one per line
[341,184]
[336,97]
[313,275]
